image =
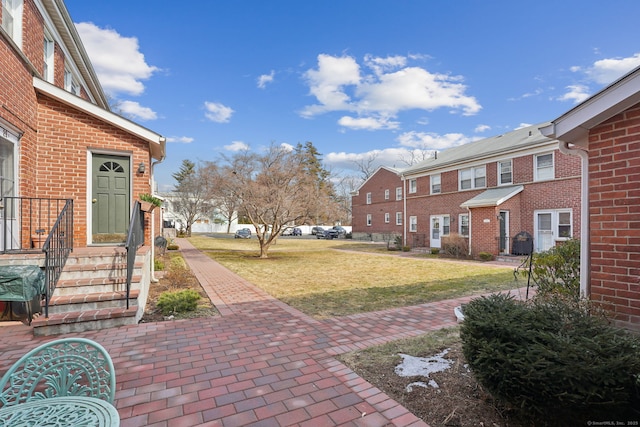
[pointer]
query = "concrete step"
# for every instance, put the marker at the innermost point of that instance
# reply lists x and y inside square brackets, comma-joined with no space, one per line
[86,320]
[80,271]
[95,301]
[91,285]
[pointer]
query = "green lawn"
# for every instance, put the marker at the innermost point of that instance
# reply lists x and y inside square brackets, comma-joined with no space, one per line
[339,277]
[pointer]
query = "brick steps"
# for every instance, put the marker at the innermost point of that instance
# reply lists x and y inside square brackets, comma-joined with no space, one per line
[91,293]
[95,301]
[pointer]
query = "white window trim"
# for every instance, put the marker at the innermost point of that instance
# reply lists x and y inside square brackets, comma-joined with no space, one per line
[49,62]
[17,12]
[398,193]
[368,220]
[398,218]
[473,178]
[535,167]
[460,225]
[432,183]
[368,198]
[413,224]
[555,214]
[387,218]
[499,166]
[413,186]
[386,194]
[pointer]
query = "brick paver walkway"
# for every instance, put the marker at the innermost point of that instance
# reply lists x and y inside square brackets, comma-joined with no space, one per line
[261,363]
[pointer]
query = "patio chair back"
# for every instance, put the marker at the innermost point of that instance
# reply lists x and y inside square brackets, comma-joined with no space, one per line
[64,367]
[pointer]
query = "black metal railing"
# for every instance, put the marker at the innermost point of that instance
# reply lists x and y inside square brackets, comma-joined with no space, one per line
[26,222]
[57,247]
[135,238]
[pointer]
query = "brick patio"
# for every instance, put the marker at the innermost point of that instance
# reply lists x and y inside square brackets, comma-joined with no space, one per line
[261,363]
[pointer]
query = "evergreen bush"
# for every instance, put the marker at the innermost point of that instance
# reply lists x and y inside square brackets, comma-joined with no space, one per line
[552,361]
[178,301]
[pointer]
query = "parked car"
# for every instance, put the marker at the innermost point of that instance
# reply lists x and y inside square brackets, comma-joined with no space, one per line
[316,230]
[341,230]
[292,232]
[328,234]
[242,233]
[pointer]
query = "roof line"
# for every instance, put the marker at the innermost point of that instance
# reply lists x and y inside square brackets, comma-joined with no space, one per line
[156,141]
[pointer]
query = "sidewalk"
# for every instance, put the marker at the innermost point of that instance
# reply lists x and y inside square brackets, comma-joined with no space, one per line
[261,363]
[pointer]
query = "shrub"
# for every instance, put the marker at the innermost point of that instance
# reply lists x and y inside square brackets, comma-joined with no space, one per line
[455,245]
[485,256]
[557,271]
[435,251]
[173,247]
[158,264]
[178,301]
[550,360]
[406,249]
[178,274]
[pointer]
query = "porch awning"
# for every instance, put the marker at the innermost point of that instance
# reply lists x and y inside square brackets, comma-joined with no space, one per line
[493,197]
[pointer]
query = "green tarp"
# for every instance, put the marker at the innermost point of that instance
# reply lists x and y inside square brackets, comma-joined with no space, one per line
[20,282]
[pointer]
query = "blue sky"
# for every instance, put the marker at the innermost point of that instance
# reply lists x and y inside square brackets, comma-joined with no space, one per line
[355,77]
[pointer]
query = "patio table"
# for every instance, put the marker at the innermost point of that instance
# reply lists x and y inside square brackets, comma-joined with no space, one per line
[77,411]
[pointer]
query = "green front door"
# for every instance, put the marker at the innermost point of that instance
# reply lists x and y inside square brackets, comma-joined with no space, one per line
[111,199]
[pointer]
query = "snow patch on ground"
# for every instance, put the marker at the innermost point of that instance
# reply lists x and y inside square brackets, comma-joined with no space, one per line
[412,366]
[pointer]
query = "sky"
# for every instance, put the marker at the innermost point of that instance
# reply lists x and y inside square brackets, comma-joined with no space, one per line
[387,80]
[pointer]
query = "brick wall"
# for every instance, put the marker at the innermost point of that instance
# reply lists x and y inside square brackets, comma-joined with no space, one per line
[382,180]
[55,138]
[65,136]
[614,210]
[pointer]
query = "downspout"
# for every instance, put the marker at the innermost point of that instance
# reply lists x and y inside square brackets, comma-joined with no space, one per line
[404,210]
[153,216]
[585,283]
[470,233]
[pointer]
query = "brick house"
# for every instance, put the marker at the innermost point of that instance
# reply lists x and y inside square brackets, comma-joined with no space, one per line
[488,191]
[60,143]
[378,206]
[604,131]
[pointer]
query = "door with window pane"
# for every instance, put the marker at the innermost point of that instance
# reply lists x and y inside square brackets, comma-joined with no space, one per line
[544,237]
[439,227]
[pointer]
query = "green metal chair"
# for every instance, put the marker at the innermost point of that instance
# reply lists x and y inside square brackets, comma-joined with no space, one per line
[65,367]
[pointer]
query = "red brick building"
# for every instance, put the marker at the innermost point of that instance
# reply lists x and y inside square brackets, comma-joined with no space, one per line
[605,131]
[486,191]
[379,204]
[56,128]
[59,141]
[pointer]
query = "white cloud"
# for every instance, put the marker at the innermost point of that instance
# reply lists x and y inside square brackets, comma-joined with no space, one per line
[338,84]
[367,123]
[237,146]
[432,141]
[606,71]
[117,60]
[217,112]
[135,110]
[287,147]
[328,81]
[264,79]
[180,139]
[575,93]
[380,65]
[481,128]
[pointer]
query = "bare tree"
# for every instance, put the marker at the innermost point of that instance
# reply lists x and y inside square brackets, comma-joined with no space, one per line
[276,189]
[415,156]
[225,199]
[192,194]
[367,165]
